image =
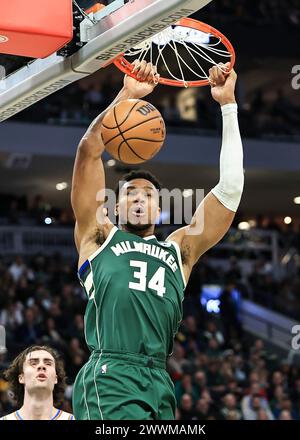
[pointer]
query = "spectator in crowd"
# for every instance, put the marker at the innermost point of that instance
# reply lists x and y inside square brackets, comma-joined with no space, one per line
[186,407]
[17,268]
[11,317]
[212,332]
[215,381]
[262,414]
[29,332]
[229,314]
[51,334]
[252,403]
[39,209]
[230,405]
[203,410]
[285,404]
[184,386]
[232,415]
[285,415]
[178,362]
[199,383]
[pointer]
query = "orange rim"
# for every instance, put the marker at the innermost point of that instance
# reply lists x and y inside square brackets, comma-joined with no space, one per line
[126,67]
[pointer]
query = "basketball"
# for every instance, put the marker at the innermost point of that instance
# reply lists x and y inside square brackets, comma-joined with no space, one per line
[133,131]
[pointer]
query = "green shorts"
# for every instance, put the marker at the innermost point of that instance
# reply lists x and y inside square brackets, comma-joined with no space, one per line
[123,386]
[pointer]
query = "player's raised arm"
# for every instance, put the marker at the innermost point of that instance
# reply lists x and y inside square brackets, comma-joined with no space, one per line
[215,214]
[88,173]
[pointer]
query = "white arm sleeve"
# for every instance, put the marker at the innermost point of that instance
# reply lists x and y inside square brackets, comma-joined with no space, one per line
[230,187]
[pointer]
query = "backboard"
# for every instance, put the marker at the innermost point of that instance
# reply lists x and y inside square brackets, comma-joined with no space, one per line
[101,39]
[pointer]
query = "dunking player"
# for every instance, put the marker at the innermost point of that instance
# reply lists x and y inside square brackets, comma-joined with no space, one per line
[135,283]
[37,379]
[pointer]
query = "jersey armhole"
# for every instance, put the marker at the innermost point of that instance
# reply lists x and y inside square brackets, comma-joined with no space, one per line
[82,268]
[178,252]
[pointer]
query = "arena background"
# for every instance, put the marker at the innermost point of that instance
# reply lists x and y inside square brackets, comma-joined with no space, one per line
[234,355]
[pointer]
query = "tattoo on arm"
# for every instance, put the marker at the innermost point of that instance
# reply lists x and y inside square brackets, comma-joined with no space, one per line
[185,253]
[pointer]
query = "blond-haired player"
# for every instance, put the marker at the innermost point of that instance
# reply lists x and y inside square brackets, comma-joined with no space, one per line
[37,379]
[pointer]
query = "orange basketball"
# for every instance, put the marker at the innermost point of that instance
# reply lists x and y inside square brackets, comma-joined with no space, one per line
[133,131]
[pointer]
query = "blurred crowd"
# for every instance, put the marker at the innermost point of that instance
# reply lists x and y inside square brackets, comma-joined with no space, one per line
[276,117]
[219,371]
[25,210]
[260,283]
[259,13]
[19,210]
[239,381]
[81,102]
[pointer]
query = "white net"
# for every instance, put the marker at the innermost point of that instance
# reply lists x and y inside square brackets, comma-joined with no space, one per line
[182,54]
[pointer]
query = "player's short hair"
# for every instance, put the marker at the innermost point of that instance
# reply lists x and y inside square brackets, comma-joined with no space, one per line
[16,368]
[138,174]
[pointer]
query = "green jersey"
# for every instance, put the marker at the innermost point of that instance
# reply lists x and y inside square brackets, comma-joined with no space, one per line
[135,291]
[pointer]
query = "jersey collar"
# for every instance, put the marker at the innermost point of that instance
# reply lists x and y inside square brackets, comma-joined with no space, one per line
[58,413]
[149,237]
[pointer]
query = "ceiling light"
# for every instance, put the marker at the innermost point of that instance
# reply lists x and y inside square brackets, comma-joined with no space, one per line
[244,226]
[297,200]
[61,186]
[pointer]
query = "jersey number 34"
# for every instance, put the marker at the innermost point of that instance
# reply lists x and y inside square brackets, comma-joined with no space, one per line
[156,283]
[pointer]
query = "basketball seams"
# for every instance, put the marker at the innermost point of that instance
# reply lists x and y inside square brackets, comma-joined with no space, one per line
[118,125]
[129,113]
[145,132]
[127,129]
[119,150]
[124,140]
[143,139]
[137,155]
[119,147]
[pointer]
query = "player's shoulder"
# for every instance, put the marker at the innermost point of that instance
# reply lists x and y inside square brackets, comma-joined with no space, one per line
[60,415]
[67,416]
[11,416]
[63,415]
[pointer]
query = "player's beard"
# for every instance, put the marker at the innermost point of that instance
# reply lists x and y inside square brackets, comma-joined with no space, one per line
[135,225]
[140,227]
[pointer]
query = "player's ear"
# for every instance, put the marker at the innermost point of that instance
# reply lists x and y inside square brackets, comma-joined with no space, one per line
[56,380]
[21,378]
[158,214]
[116,209]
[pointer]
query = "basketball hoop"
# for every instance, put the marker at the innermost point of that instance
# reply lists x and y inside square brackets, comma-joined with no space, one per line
[182,53]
